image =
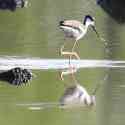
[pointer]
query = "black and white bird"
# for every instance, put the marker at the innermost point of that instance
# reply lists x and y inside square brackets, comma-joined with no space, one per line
[76,95]
[76,30]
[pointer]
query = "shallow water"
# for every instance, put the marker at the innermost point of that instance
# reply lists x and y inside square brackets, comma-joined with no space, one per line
[7,63]
[30,38]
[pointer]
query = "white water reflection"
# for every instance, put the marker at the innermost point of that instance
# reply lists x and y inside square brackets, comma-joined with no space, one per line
[49,105]
[55,64]
[39,105]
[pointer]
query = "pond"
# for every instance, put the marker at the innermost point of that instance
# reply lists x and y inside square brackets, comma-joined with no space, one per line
[31,38]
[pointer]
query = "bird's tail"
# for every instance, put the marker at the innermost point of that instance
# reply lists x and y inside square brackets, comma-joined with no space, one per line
[61,23]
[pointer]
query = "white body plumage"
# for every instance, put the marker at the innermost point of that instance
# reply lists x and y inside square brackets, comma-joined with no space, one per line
[75,29]
[76,33]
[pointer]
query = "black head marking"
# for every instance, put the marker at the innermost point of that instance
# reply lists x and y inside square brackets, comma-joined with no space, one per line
[87,17]
[61,23]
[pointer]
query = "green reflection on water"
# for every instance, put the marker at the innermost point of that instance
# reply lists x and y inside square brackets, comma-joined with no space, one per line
[34,32]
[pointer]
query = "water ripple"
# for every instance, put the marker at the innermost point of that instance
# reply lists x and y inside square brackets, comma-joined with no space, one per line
[56,64]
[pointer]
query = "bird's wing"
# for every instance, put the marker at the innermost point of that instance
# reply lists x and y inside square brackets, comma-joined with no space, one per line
[72,23]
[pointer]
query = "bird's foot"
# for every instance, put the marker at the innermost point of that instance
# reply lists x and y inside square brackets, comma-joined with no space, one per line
[70,54]
[75,54]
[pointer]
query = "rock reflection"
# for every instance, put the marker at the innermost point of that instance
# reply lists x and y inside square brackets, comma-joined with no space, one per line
[12,4]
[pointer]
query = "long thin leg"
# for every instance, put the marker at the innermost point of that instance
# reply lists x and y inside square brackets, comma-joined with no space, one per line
[70,53]
[73,48]
[76,42]
[71,71]
[73,51]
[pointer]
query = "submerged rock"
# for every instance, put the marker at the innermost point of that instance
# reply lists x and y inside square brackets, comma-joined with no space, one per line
[76,95]
[16,76]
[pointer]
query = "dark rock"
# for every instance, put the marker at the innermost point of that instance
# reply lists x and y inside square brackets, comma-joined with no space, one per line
[16,76]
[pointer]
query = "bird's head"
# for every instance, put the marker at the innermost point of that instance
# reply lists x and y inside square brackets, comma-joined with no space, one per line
[89,20]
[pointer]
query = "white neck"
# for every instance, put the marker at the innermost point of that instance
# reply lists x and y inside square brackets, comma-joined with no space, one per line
[87,24]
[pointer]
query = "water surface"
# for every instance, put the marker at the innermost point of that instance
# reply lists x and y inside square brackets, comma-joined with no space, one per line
[30,38]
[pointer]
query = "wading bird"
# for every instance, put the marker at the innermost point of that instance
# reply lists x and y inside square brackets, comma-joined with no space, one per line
[76,30]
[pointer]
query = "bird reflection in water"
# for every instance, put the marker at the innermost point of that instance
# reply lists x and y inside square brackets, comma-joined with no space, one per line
[76,94]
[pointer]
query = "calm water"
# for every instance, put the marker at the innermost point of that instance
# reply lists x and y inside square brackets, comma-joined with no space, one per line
[33,33]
